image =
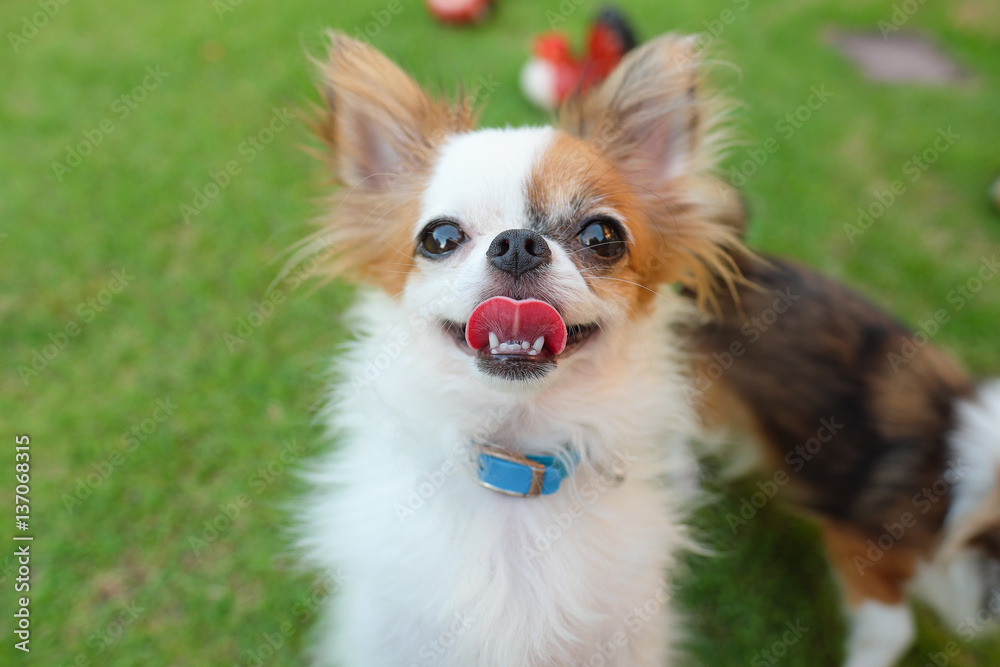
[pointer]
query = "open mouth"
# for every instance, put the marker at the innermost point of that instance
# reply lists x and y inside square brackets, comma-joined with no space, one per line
[518,339]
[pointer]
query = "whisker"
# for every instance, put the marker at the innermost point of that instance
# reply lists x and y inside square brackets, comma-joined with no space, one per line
[590,247]
[622,280]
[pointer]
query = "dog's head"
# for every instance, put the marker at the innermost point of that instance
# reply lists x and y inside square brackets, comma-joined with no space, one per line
[968,567]
[970,546]
[528,247]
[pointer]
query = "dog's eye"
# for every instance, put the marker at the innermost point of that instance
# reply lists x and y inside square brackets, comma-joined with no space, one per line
[440,237]
[604,237]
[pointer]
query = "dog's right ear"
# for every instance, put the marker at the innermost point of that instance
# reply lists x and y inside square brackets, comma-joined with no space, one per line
[381,131]
[378,123]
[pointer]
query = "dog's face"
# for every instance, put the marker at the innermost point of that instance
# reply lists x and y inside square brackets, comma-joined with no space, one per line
[526,248]
[963,582]
[975,552]
[539,258]
[986,544]
[967,560]
[970,542]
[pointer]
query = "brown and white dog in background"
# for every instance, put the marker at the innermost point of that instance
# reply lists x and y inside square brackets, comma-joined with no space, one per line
[884,440]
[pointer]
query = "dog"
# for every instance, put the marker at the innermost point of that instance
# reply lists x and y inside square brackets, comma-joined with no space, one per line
[869,429]
[511,472]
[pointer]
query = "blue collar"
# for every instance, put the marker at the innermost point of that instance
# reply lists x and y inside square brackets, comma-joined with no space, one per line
[516,475]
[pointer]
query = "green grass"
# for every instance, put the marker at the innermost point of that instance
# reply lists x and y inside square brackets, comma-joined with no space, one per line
[163,336]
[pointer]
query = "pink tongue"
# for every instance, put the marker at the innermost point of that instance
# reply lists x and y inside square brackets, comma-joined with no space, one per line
[514,320]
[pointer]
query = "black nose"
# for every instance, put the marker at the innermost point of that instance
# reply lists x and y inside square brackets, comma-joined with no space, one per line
[517,251]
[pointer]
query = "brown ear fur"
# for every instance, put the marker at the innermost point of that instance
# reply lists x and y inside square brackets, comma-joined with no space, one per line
[381,131]
[650,120]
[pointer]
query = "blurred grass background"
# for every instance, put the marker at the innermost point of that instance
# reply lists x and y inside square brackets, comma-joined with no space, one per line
[159,415]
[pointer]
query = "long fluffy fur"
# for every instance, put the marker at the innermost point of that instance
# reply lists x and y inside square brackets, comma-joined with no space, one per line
[697,219]
[903,481]
[366,218]
[435,568]
[477,554]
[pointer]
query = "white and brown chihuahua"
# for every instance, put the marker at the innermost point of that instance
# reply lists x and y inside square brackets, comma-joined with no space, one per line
[511,420]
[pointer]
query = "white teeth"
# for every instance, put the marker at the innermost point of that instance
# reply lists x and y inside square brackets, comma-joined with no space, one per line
[515,346]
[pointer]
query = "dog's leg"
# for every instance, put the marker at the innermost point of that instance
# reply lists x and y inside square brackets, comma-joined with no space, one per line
[880,634]
[882,625]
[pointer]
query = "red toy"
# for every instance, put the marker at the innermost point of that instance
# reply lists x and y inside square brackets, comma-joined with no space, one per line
[553,72]
[459,11]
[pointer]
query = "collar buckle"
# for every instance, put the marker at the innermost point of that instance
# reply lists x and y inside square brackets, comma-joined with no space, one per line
[536,468]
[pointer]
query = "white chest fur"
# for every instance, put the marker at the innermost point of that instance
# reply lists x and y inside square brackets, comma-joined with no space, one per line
[437,569]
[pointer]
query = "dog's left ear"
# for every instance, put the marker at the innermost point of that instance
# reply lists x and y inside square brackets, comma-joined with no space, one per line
[650,118]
